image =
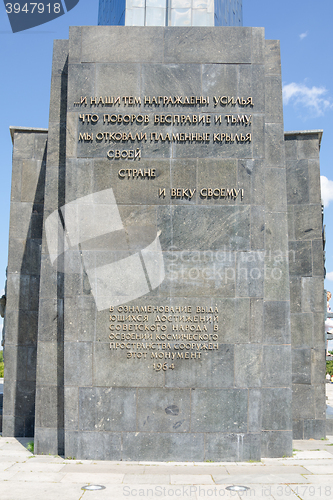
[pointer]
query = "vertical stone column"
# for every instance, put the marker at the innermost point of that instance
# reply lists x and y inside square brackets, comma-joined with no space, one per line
[306,284]
[49,418]
[23,276]
[238,404]
[276,374]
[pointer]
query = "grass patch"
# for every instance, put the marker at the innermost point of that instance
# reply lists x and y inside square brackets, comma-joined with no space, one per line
[30,447]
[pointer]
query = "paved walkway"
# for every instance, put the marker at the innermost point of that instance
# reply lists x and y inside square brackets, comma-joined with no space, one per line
[308,475]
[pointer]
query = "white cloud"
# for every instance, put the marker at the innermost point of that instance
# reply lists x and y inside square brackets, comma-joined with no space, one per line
[329,276]
[303,35]
[326,190]
[312,98]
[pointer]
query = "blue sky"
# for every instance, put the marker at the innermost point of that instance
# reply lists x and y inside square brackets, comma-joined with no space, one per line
[302,26]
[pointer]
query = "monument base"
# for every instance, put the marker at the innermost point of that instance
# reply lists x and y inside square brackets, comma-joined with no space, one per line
[165,280]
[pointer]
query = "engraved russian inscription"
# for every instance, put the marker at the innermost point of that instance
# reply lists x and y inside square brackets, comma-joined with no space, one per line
[198,128]
[163,332]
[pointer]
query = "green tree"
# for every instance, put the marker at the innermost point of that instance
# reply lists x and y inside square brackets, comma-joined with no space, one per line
[1,364]
[329,367]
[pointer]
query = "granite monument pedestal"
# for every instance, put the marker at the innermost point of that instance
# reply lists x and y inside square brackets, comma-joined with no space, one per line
[171,236]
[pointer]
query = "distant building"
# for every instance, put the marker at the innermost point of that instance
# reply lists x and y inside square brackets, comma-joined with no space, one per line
[170,13]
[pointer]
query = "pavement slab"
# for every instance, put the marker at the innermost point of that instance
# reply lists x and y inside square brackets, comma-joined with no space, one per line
[92,478]
[102,467]
[308,474]
[5,476]
[272,469]
[37,477]
[326,469]
[320,479]
[316,454]
[30,466]
[146,478]
[248,479]
[190,479]
[16,490]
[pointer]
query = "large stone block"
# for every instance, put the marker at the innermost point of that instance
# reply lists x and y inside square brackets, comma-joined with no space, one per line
[301,330]
[105,445]
[298,182]
[273,106]
[221,410]
[303,401]
[276,444]
[272,57]
[155,79]
[153,446]
[212,370]
[118,47]
[274,145]
[276,404]
[276,366]
[308,222]
[161,410]
[251,176]
[218,46]
[248,365]
[314,429]
[301,359]
[107,409]
[317,258]
[300,258]
[308,146]
[74,354]
[276,322]
[236,447]
[314,181]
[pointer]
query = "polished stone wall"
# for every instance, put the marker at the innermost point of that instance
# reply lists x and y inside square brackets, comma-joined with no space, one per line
[307,300]
[235,397]
[164,317]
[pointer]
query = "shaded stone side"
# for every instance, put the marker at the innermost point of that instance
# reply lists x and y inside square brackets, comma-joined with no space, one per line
[49,416]
[23,278]
[306,267]
[276,376]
